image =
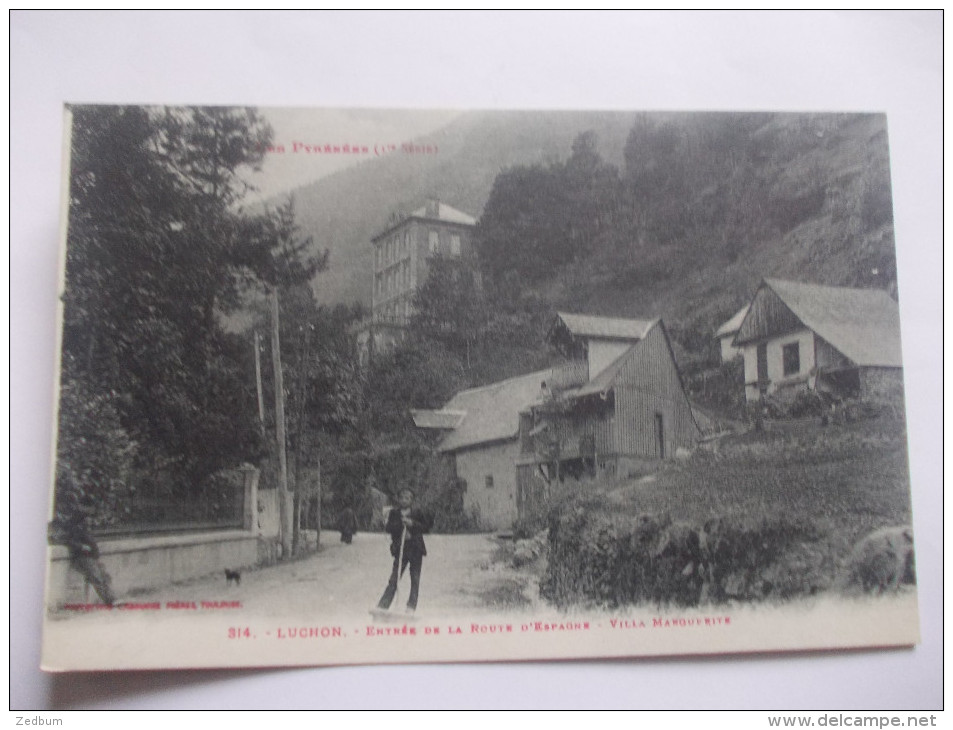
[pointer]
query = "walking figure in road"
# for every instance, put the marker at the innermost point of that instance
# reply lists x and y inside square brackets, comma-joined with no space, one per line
[406,525]
[347,524]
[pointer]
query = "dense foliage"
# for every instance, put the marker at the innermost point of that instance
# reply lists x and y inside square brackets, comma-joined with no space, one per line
[541,217]
[158,250]
[702,208]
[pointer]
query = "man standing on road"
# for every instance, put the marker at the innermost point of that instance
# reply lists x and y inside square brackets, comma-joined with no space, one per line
[406,525]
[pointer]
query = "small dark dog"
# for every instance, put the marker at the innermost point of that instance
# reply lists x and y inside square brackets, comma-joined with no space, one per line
[233,576]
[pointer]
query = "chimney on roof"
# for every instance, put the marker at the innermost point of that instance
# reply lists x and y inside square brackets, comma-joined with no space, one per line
[433,208]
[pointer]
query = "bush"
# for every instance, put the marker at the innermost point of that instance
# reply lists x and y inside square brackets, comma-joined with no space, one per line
[524,529]
[883,399]
[721,388]
[446,505]
[754,561]
[809,403]
[804,404]
[526,551]
[603,559]
[881,560]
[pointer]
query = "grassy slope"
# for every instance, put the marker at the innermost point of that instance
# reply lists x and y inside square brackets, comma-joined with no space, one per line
[788,507]
[848,480]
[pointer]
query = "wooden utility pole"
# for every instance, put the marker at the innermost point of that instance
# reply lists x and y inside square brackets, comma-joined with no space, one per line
[299,493]
[284,508]
[318,496]
[261,398]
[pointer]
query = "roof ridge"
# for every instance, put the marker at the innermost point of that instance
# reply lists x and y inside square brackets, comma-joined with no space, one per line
[497,383]
[874,290]
[605,316]
[627,328]
[421,211]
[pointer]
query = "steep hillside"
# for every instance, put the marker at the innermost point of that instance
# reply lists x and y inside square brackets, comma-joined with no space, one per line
[799,196]
[343,211]
[823,215]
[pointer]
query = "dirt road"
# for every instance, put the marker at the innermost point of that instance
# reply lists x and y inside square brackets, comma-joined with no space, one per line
[328,595]
[459,577]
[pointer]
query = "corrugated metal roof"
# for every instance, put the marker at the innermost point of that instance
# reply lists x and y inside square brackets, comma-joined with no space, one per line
[863,324]
[581,325]
[445,213]
[492,411]
[442,419]
[733,324]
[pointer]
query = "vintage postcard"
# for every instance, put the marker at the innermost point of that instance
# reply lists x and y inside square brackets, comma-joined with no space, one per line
[378,386]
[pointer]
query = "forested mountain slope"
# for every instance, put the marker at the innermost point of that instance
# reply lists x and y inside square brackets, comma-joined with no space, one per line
[680,215]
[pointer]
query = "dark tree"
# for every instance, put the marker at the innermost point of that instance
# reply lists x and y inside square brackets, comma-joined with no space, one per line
[157,251]
[449,306]
[540,218]
[520,227]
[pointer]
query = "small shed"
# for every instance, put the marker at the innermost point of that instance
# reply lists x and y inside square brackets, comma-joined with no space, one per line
[727,332]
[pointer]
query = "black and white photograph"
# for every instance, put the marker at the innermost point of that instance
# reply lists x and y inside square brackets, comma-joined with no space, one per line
[361,385]
[476,359]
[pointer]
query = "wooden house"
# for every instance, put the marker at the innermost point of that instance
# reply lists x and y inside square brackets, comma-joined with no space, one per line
[615,406]
[629,411]
[803,336]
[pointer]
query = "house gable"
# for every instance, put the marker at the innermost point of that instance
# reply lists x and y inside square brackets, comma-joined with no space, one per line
[648,394]
[651,365]
[650,373]
[599,341]
[767,317]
